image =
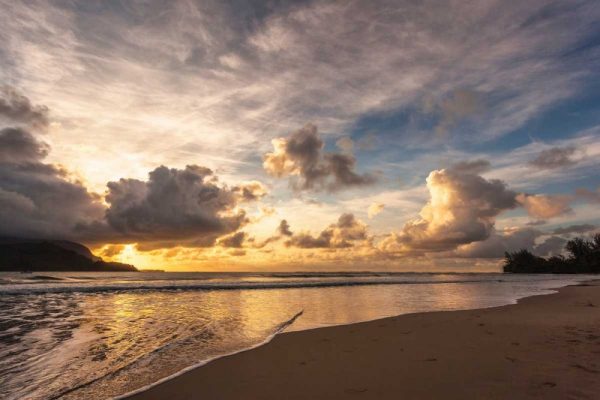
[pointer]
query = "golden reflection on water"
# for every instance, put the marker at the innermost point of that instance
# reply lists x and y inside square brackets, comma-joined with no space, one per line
[130,339]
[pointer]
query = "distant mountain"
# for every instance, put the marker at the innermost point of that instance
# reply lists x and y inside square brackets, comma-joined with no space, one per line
[17,254]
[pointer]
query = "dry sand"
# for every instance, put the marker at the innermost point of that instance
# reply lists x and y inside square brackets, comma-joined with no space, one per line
[544,347]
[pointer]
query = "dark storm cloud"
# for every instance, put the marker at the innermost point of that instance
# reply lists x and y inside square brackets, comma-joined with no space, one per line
[343,234]
[301,156]
[555,157]
[37,199]
[17,108]
[235,240]
[173,205]
[18,146]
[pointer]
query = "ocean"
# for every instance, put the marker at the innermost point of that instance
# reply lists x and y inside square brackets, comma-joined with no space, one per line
[103,335]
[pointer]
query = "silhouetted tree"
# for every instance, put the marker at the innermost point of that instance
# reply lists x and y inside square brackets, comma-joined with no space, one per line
[583,257]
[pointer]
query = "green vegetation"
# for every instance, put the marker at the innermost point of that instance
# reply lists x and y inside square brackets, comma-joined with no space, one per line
[583,258]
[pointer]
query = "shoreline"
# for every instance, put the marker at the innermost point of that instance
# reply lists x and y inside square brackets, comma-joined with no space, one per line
[239,375]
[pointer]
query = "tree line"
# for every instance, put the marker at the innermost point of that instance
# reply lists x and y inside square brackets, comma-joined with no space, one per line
[583,257]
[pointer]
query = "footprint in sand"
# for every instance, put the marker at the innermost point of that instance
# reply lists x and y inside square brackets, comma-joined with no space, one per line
[356,390]
[586,369]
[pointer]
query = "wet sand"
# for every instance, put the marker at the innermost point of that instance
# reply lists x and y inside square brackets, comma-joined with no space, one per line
[544,347]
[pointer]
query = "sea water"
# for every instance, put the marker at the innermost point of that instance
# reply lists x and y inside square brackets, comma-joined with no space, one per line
[102,335]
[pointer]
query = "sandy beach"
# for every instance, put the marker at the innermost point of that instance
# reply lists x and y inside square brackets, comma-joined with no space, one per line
[543,347]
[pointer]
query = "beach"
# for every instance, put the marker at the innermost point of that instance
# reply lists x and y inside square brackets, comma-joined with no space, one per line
[545,346]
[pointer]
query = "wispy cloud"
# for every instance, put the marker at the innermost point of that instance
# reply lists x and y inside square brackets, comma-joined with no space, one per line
[225,78]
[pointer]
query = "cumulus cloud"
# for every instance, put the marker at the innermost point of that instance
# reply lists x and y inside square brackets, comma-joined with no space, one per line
[555,157]
[283,228]
[235,240]
[374,209]
[545,206]
[301,156]
[17,108]
[18,146]
[37,199]
[461,210]
[346,232]
[174,205]
[250,191]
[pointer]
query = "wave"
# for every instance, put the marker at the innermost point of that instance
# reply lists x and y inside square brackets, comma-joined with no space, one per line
[185,285]
[280,328]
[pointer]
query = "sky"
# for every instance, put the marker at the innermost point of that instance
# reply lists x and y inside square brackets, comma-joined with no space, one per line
[307,135]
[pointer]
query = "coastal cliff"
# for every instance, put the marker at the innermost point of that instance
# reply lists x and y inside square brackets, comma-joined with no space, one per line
[18,254]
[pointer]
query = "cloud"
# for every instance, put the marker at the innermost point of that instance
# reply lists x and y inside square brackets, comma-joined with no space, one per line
[588,195]
[18,146]
[545,206]
[342,234]
[581,228]
[174,206]
[374,209]
[461,210]
[37,199]
[284,228]
[458,105]
[555,157]
[111,250]
[239,76]
[17,108]
[346,144]
[499,242]
[472,166]
[536,222]
[301,155]
[250,191]
[235,240]
[552,246]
